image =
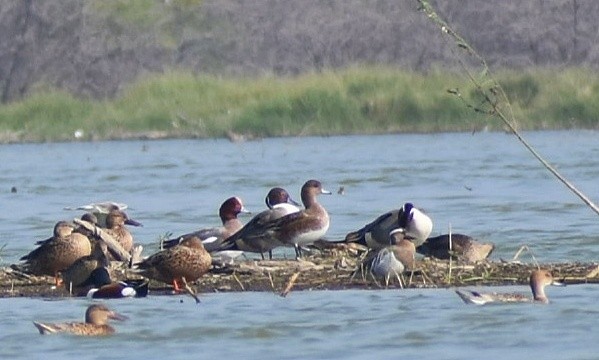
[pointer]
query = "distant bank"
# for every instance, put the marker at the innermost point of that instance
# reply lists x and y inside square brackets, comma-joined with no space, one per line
[358,100]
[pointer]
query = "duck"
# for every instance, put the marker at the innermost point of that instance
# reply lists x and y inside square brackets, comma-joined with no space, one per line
[58,252]
[100,210]
[539,279]
[279,198]
[96,323]
[250,237]
[296,229]
[101,286]
[393,259]
[90,218]
[416,224]
[463,247]
[115,227]
[178,265]
[75,276]
[212,237]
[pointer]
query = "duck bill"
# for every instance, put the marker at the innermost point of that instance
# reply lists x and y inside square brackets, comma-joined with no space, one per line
[116,316]
[244,210]
[558,283]
[133,222]
[325,192]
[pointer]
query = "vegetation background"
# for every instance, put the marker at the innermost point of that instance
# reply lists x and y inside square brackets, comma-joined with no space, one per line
[94,69]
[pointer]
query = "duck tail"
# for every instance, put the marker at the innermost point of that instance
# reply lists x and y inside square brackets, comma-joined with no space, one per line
[357,237]
[43,328]
[167,244]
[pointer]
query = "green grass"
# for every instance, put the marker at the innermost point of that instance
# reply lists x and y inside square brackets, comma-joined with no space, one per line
[366,100]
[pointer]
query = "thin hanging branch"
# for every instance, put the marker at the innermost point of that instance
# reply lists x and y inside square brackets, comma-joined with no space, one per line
[493,95]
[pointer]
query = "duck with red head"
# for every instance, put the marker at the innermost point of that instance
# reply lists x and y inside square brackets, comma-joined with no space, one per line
[212,236]
[296,229]
[251,237]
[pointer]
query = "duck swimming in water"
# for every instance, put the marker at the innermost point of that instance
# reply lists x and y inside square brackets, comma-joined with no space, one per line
[539,279]
[96,323]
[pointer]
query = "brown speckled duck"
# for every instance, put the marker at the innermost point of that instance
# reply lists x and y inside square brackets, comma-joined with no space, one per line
[96,323]
[115,227]
[58,252]
[178,265]
[463,247]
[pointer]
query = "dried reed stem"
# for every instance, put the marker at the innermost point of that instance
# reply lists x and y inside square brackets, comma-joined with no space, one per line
[493,96]
[290,284]
[239,281]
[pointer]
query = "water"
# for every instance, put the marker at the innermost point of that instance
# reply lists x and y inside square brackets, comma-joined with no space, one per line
[485,185]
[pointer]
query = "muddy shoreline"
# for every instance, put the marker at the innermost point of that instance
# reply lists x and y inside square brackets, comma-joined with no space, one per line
[335,271]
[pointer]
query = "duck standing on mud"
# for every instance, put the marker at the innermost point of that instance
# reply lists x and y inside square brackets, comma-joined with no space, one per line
[296,229]
[101,286]
[251,236]
[57,253]
[416,224]
[178,265]
[393,259]
[212,237]
[115,227]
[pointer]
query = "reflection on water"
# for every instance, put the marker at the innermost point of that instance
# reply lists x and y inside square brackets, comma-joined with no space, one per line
[485,185]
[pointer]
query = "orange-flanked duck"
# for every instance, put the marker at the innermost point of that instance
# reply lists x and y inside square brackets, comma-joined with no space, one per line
[212,237]
[178,265]
[539,279]
[375,235]
[96,323]
[58,252]
[101,286]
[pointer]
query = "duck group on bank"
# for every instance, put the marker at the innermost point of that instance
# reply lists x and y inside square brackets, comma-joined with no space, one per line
[79,256]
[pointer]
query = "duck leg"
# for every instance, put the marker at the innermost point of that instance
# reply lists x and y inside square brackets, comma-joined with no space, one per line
[176,285]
